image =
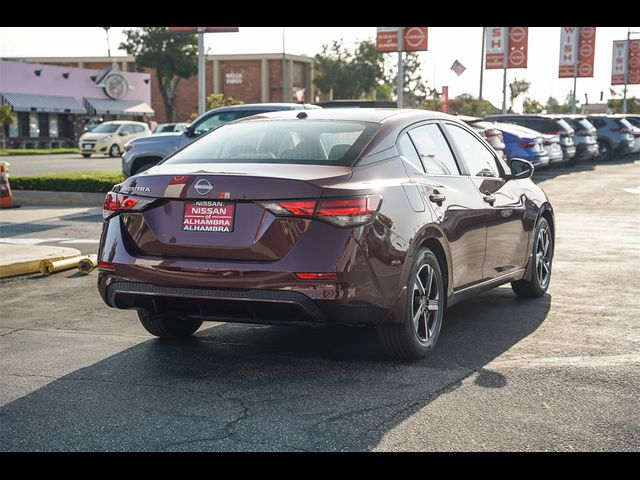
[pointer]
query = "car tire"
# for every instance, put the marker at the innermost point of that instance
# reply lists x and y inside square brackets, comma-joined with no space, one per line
[415,339]
[168,325]
[604,151]
[114,150]
[86,155]
[540,277]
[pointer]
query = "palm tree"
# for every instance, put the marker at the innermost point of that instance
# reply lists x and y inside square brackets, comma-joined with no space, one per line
[7,117]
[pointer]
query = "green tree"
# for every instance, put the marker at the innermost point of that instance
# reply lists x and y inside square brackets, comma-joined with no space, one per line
[532,106]
[415,88]
[7,117]
[633,105]
[517,88]
[173,56]
[350,74]
[216,100]
[554,106]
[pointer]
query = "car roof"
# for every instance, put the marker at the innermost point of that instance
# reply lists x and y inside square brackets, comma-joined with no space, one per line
[377,115]
[122,122]
[267,106]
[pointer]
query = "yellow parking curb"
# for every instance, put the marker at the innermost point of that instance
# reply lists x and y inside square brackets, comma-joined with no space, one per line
[24,259]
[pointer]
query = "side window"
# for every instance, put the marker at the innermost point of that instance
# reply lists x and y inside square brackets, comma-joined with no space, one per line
[126,130]
[214,121]
[248,113]
[138,129]
[408,151]
[434,151]
[597,122]
[479,160]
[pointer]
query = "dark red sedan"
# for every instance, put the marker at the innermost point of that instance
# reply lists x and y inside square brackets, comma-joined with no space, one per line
[377,217]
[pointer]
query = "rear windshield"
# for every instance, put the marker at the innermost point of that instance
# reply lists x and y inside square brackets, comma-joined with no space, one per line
[623,123]
[316,142]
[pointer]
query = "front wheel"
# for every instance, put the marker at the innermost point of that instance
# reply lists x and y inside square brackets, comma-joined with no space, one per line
[86,155]
[168,325]
[114,151]
[417,336]
[537,284]
[604,151]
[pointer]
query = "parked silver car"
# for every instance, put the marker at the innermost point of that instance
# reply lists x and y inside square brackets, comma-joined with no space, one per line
[614,135]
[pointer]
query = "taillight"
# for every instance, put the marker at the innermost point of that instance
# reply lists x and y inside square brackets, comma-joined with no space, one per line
[317,276]
[117,202]
[527,143]
[106,266]
[341,212]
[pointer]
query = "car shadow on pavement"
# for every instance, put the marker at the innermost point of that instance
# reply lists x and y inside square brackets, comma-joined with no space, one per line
[241,387]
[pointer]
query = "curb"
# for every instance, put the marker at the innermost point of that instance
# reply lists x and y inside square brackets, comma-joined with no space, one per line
[32,265]
[39,198]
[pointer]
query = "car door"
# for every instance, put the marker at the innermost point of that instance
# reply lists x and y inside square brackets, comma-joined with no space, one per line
[507,215]
[451,197]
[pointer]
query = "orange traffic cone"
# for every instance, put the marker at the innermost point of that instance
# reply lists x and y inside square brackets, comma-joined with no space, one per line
[6,197]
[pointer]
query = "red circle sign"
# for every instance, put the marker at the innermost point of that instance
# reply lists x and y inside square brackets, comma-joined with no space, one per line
[634,62]
[587,32]
[414,37]
[516,58]
[586,49]
[517,34]
[634,78]
[634,45]
[585,70]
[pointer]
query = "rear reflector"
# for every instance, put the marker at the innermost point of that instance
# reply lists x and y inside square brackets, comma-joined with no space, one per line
[341,212]
[116,202]
[106,266]
[316,276]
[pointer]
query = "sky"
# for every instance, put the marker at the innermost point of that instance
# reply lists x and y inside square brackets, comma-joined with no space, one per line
[446,44]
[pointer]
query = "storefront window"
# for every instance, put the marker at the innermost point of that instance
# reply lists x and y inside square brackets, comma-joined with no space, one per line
[34,131]
[13,129]
[53,125]
[43,124]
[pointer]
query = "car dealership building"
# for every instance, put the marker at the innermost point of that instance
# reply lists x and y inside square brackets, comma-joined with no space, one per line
[251,78]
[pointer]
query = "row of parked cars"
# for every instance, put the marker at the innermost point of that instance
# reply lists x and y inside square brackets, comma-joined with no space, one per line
[548,140]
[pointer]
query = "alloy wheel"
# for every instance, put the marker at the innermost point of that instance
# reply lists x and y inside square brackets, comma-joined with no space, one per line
[426,304]
[543,257]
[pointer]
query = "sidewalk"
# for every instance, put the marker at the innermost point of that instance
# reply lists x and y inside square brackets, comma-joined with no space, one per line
[26,235]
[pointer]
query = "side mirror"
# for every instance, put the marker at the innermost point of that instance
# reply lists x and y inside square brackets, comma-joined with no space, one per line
[189,131]
[122,134]
[520,169]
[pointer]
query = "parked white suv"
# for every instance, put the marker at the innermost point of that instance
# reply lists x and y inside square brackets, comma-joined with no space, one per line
[109,137]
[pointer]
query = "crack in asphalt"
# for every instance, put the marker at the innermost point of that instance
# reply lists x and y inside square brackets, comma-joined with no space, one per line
[450,386]
[11,331]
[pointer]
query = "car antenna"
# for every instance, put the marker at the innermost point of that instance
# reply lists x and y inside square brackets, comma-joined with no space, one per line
[302,115]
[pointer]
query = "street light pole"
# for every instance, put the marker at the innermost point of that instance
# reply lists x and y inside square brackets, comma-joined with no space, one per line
[400,68]
[201,72]
[481,62]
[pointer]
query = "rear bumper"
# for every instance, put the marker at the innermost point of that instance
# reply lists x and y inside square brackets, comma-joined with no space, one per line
[586,151]
[257,292]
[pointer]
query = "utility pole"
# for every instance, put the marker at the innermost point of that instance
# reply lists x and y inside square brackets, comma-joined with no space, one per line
[504,87]
[284,66]
[481,62]
[201,72]
[573,97]
[400,68]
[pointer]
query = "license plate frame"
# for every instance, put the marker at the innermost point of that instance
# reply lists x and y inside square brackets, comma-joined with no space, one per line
[209,216]
[87,146]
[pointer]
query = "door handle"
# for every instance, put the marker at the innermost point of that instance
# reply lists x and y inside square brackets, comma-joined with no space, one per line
[490,199]
[437,197]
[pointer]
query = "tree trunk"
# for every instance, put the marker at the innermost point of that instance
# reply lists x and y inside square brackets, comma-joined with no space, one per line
[167,91]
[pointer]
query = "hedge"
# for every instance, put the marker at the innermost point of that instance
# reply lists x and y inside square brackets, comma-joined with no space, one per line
[96,182]
[38,151]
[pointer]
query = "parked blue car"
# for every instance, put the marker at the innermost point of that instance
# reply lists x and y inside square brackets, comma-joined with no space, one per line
[520,144]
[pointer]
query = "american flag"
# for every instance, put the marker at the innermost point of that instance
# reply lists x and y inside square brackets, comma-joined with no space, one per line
[458,68]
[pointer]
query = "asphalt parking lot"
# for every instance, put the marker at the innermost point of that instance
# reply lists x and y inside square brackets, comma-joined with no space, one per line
[557,373]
